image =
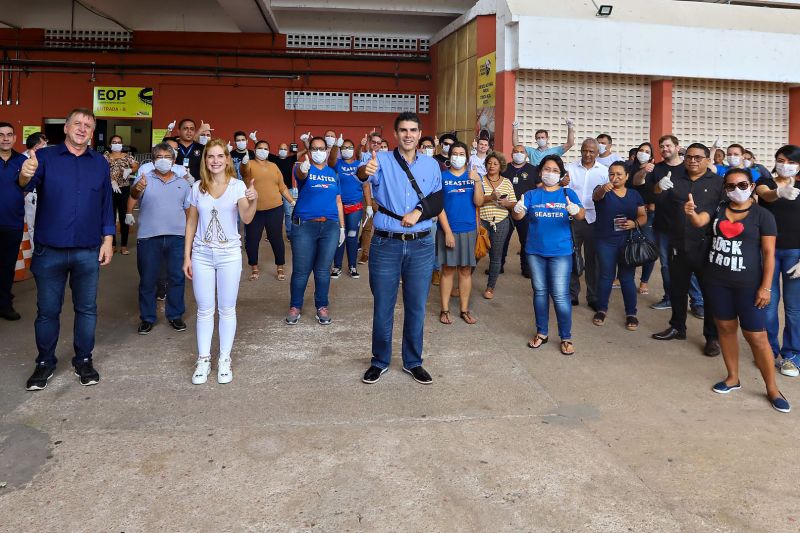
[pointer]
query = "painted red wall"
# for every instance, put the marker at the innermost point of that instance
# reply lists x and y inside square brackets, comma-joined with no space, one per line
[228,104]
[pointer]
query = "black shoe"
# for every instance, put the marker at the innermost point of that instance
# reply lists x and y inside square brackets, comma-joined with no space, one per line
[669,334]
[145,328]
[40,376]
[373,374]
[712,348]
[593,306]
[354,273]
[10,314]
[86,373]
[526,274]
[178,324]
[419,374]
[698,311]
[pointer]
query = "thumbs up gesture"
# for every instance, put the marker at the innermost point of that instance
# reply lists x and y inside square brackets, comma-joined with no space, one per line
[29,166]
[141,185]
[665,183]
[171,126]
[372,164]
[251,194]
[229,147]
[689,207]
[717,143]
[340,141]
[364,140]
[787,192]
[253,136]
[305,166]
[246,158]
[572,209]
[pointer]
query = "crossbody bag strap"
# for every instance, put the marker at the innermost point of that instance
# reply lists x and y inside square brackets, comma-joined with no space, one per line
[409,175]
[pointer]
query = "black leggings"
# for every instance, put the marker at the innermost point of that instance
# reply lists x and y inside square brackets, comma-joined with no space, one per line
[272,220]
[120,208]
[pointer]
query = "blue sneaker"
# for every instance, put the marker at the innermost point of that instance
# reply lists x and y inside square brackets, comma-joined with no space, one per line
[662,305]
[781,404]
[722,388]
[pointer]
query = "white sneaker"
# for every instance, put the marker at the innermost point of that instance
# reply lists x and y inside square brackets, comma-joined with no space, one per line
[224,372]
[201,371]
[790,369]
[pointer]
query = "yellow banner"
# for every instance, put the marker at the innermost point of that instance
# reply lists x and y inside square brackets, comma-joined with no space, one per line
[29,130]
[123,102]
[486,80]
[159,134]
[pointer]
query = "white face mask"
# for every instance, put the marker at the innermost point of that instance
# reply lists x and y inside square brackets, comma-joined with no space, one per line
[319,157]
[787,170]
[541,143]
[747,163]
[550,178]
[163,165]
[241,145]
[203,139]
[518,157]
[643,157]
[458,161]
[347,153]
[383,150]
[330,140]
[601,148]
[283,153]
[116,147]
[445,149]
[262,153]
[734,160]
[739,196]
[428,151]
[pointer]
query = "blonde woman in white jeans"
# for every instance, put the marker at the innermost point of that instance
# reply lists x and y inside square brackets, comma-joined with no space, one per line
[212,256]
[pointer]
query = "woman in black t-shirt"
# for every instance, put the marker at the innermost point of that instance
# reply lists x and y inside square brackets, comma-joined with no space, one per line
[739,274]
[780,197]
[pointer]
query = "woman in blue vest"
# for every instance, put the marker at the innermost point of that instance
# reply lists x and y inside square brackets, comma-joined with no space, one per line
[317,229]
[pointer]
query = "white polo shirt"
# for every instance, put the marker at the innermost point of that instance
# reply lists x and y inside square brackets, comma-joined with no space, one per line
[583,181]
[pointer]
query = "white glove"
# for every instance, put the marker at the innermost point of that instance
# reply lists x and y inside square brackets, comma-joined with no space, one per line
[189,178]
[370,212]
[171,126]
[230,148]
[520,207]
[126,172]
[794,272]
[340,140]
[787,192]
[573,209]
[304,137]
[245,159]
[115,187]
[665,183]
[570,123]
[305,166]
[717,143]
[253,136]
[294,192]
[129,220]
[515,125]
[341,236]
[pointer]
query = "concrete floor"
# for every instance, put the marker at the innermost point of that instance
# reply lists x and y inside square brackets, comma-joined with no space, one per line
[624,436]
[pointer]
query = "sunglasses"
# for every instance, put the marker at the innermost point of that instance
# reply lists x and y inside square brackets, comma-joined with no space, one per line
[697,158]
[741,185]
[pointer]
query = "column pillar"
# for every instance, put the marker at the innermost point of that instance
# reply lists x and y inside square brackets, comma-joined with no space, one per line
[660,110]
[794,115]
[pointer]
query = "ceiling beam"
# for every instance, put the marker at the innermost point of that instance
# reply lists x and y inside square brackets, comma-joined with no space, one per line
[440,8]
[92,5]
[248,15]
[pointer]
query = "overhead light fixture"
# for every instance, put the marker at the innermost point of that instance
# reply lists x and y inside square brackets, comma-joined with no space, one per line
[603,10]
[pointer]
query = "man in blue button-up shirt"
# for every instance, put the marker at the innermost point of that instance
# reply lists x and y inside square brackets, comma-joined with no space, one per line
[402,245]
[74,228]
[12,217]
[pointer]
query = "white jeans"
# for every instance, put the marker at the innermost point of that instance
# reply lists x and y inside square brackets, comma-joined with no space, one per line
[216,271]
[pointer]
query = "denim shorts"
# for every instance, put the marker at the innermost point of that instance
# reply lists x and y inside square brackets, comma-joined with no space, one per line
[728,303]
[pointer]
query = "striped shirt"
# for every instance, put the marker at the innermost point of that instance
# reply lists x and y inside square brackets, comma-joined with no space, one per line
[490,211]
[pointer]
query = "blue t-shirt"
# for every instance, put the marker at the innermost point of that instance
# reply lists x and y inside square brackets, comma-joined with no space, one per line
[754,172]
[535,155]
[612,206]
[351,186]
[458,202]
[549,234]
[317,194]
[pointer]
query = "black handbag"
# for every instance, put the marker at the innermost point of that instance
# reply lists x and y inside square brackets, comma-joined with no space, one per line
[578,263]
[639,250]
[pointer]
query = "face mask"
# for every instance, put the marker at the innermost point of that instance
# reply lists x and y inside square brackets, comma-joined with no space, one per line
[283,153]
[787,170]
[518,158]
[383,150]
[739,196]
[329,141]
[262,153]
[203,139]
[163,165]
[747,163]
[116,147]
[458,161]
[241,145]
[347,153]
[541,143]
[643,157]
[734,160]
[550,178]
[428,151]
[445,149]
[601,148]
[319,157]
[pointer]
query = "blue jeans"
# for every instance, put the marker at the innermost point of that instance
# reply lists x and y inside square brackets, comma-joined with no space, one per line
[391,260]
[313,246]
[435,233]
[649,232]
[784,260]
[287,218]
[51,267]
[550,277]
[152,255]
[352,221]
[664,250]
[610,260]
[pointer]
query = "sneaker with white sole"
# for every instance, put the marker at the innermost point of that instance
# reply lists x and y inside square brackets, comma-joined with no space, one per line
[789,368]
[201,371]
[224,372]
[335,273]
[293,316]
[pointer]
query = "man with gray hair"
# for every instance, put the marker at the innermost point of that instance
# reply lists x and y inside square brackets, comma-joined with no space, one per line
[163,201]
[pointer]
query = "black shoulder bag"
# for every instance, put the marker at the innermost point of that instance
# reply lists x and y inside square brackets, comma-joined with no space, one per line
[578,263]
[639,250]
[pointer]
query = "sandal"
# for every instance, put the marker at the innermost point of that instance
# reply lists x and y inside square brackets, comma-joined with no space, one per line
[643,288]
[444,317]
[537,341]
[281,275]
[567,348]
[254,274]
[125,251]
[632,323]
[467,317]
[599,318]
[488,293]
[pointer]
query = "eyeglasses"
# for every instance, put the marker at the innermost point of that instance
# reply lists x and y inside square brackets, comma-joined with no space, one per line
[697,158]
[164,157]
[741,185]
